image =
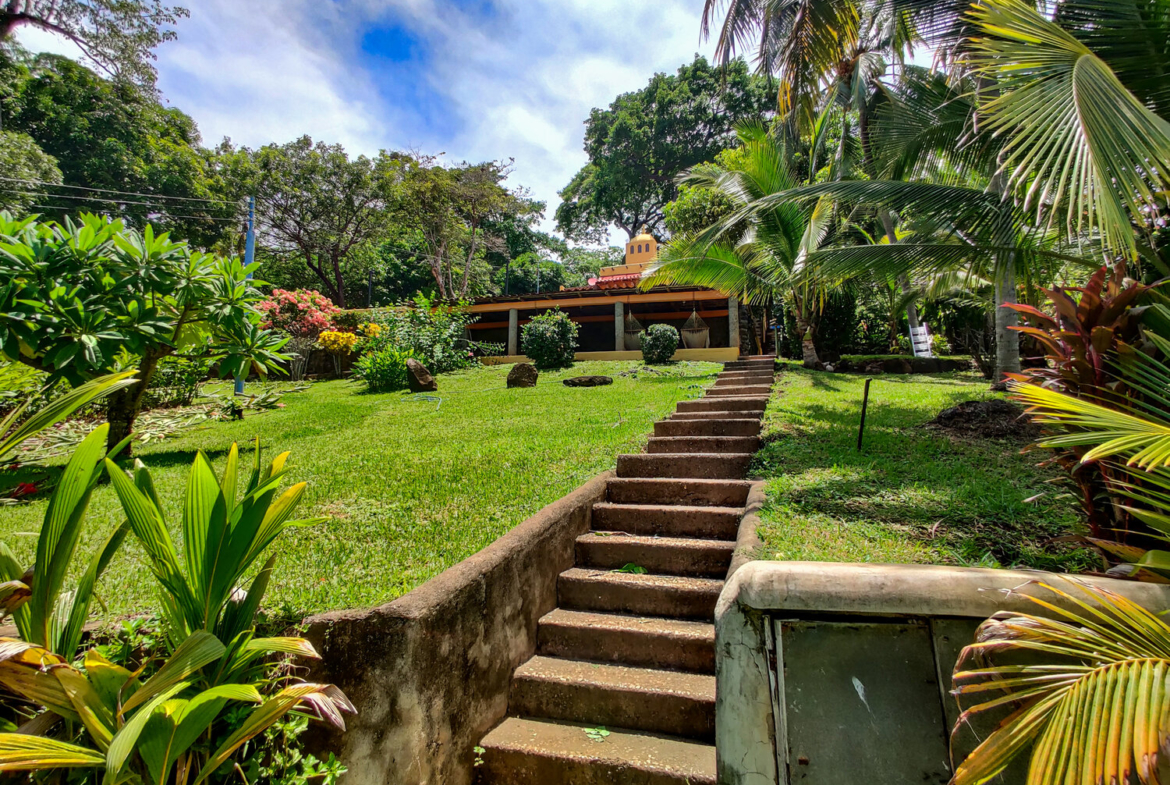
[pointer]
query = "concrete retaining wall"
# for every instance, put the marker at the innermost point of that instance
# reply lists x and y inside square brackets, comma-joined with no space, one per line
[832,673]
[429,672]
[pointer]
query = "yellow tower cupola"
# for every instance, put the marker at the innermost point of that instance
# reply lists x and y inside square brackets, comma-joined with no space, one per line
[643,249]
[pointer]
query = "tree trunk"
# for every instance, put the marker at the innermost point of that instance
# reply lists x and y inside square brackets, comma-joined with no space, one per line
[807,330]
[1007,341]
[123,406]
[339,282]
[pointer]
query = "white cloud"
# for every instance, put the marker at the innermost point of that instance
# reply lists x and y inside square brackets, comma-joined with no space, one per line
[515,81]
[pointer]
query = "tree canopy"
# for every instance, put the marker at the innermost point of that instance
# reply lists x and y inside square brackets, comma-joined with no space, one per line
[645,139]
[117,36]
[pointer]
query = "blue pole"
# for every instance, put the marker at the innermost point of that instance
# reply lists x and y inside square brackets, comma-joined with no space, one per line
[249,257]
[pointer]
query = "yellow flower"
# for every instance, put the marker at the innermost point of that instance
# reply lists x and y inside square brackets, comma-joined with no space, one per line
[337,343]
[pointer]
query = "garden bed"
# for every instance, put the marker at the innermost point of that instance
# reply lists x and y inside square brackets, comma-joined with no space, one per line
[414,484]
[914,494]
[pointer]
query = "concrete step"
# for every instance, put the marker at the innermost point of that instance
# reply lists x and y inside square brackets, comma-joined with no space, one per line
[739,390]
[641,641]
[668,520]
[669,596]
[711,427]
[730,380]
[658,701]
[690,493]
[534,752]
[705,444]
[737,404]
[691,416]
[730,466]
[750,365]
[659,555]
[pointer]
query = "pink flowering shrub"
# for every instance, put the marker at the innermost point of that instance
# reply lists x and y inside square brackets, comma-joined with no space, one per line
[301,314]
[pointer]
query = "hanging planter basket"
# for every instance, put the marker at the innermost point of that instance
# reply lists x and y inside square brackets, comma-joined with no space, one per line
[634,329]
[695,333]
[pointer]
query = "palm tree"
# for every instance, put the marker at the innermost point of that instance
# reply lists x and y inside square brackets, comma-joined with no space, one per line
[1059,115]
[759,256]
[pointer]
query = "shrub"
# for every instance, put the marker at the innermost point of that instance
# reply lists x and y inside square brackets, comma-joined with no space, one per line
[659,343]
[338,344]
[384,369]
[175,381]
[550,340]
[433,333]
[300,313]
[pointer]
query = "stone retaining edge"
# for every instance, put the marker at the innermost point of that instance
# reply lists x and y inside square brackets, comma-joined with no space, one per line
[430,671]
[747,540]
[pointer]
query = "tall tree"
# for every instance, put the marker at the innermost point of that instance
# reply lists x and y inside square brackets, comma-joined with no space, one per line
[645,139]
[120,151]
[117,36]
[315,202]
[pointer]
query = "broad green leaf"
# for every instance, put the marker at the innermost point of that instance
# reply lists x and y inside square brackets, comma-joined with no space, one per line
[199,649]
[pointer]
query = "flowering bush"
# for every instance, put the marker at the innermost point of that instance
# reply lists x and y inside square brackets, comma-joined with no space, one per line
[370,329]
[338,344]
[300,313]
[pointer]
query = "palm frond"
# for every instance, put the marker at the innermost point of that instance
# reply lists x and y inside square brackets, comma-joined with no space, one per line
[1094,712]
[1078,141]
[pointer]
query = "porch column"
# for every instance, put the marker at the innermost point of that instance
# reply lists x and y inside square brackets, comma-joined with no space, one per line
[732,322]
[513,332]
[619,326]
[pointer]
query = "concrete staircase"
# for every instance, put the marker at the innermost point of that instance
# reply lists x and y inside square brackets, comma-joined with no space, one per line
[634,652]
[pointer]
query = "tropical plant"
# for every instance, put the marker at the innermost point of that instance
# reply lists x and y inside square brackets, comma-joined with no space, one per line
[17,428]
[659,343]
[338,345]
[1093,710]
[384,369]
[550,340]
[432,332]
[83,299]
[755,254]
[133,726]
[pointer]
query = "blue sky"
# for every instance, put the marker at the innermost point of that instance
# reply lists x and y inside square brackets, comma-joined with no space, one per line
[474,79]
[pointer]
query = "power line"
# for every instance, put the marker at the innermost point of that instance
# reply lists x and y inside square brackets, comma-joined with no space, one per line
[119,193]
[67,208]
[84,198]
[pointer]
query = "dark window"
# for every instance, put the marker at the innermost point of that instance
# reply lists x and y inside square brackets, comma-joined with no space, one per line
[639,248]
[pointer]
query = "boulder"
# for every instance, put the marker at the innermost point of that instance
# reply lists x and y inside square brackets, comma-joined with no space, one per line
[418,378]
[588,381]
[522,375]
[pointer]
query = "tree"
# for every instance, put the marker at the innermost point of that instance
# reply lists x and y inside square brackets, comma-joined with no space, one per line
[22,158]
[111,136]
[118,36]
[755,253]
[314,201]
[645,139]
[454,209]
[80,300]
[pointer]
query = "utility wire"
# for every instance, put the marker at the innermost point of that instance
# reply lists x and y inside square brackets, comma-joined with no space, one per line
[66,208]
[120,193]
[85,198]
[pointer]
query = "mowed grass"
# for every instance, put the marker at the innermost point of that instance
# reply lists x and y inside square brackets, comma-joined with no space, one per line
[913,494]
[412,486]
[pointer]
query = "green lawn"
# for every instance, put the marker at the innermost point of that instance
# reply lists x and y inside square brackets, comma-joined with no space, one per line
[912,495]
[412,486]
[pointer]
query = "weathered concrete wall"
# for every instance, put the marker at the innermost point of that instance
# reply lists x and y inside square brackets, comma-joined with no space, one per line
[429,672]
[805,649]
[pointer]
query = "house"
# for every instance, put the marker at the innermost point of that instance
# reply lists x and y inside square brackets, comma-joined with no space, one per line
[610,312]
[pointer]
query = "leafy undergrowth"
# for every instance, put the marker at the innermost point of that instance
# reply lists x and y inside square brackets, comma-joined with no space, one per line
[414,484]
[912,494]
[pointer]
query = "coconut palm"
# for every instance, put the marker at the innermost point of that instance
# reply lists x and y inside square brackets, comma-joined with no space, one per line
[759,256]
